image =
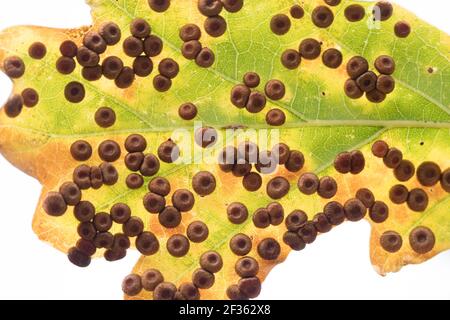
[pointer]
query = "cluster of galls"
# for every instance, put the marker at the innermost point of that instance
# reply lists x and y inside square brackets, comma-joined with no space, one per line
[141,46]
[240,161]
[14,68]
[246,96]
[215,25]
[362,81]
[94,228]
[152,280]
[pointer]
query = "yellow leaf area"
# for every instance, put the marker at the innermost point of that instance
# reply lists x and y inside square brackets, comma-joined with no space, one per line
[320,122]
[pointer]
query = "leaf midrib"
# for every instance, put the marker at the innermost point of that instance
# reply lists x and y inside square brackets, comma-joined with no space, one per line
[312,124]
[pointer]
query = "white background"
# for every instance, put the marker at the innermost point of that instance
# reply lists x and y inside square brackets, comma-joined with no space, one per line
[336,267]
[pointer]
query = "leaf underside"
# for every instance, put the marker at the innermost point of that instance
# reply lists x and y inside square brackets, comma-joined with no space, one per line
[321,122]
